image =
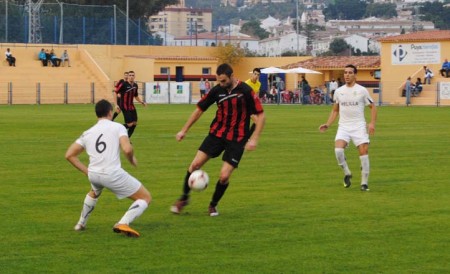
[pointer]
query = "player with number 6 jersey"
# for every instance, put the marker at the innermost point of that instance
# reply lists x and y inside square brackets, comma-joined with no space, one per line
[102,143]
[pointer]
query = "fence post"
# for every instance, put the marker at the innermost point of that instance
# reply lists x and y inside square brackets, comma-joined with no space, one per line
[438,95]
[10,87]
[92,93]
[190,93]
[380,94]
[38,93]
[144,91]
[66,93]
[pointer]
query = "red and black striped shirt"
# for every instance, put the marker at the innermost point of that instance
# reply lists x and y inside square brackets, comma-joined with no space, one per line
[127,93]
[234,110]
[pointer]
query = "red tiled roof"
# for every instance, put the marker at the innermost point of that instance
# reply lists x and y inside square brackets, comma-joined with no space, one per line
[427,35]
[337,62]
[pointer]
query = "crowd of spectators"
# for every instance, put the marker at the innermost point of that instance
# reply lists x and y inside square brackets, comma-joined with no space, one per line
[49,58]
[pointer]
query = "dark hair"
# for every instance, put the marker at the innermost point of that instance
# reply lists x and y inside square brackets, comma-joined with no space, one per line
[130,72]
[224,69]
[355,70]
[102,108]
[257,70]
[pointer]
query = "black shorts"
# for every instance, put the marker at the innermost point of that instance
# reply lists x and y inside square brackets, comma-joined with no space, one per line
[130,116]
[214,146]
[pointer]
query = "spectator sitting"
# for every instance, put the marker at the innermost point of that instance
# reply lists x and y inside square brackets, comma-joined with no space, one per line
[317,96]
[55,60]
[11,59]
[445,68]
[428,75]
[43,57]
[65,57]
[48,56]
[273,94]
[417,87]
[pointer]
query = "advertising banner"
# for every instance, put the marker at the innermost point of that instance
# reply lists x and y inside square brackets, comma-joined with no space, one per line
[416,54]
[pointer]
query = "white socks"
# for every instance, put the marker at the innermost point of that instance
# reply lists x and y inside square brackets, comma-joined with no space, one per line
[365,165]
[340,157]
[365,169]
[135,210]
[88,207]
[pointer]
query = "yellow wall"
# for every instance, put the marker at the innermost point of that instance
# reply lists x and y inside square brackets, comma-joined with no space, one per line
[394,76]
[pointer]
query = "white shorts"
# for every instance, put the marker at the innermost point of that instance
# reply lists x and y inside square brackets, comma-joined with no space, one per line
[357,135]
[119,182]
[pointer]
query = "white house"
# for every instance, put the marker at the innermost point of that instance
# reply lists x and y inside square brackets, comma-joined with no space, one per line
[269,23]
[357,42]
[208,39]
[275,46]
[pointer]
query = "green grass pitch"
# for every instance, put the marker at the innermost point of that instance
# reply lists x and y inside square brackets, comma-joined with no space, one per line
[286,210]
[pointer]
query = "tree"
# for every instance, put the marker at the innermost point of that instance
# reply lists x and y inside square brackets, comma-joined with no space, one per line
[436,13]
[254,29]
[381,10]
[345,10]
[338,46]
[229,53]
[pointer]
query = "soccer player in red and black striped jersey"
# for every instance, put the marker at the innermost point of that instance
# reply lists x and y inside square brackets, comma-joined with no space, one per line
[128,92]
[229,132]
[116,94]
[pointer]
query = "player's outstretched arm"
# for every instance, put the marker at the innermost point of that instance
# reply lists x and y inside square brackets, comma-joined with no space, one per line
[260,121]
[373,119]
[72,154]
[192,119]
[333,115]
[127,149]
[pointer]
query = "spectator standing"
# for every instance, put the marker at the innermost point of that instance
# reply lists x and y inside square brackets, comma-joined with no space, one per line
[127,93]
[10,58]
[102,142]
[333,85]
[350,101]
[428,75]
[64,58]
[207,86]
[202,88]
[306,90]
[254,82]
[280,85]
[408,89]
[229,132]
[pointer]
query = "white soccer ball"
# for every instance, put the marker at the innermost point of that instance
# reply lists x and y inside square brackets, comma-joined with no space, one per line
[198,181]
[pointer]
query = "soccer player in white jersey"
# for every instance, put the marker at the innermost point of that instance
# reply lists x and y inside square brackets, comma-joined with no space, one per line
[350,101]
[102,143]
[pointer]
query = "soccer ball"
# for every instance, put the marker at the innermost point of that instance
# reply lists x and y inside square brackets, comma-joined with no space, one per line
[198,181]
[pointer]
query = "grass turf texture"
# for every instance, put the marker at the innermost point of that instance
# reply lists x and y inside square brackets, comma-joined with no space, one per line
[286,210]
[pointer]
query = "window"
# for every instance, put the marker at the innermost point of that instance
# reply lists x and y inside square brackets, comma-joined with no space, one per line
[206,71]
[164,70]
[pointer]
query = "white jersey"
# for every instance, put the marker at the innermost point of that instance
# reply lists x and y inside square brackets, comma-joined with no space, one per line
[102,144]
[333,85]
[352,101]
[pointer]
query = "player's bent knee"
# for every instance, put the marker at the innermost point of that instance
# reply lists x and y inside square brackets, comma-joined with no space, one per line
[142,194]
[224,178]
